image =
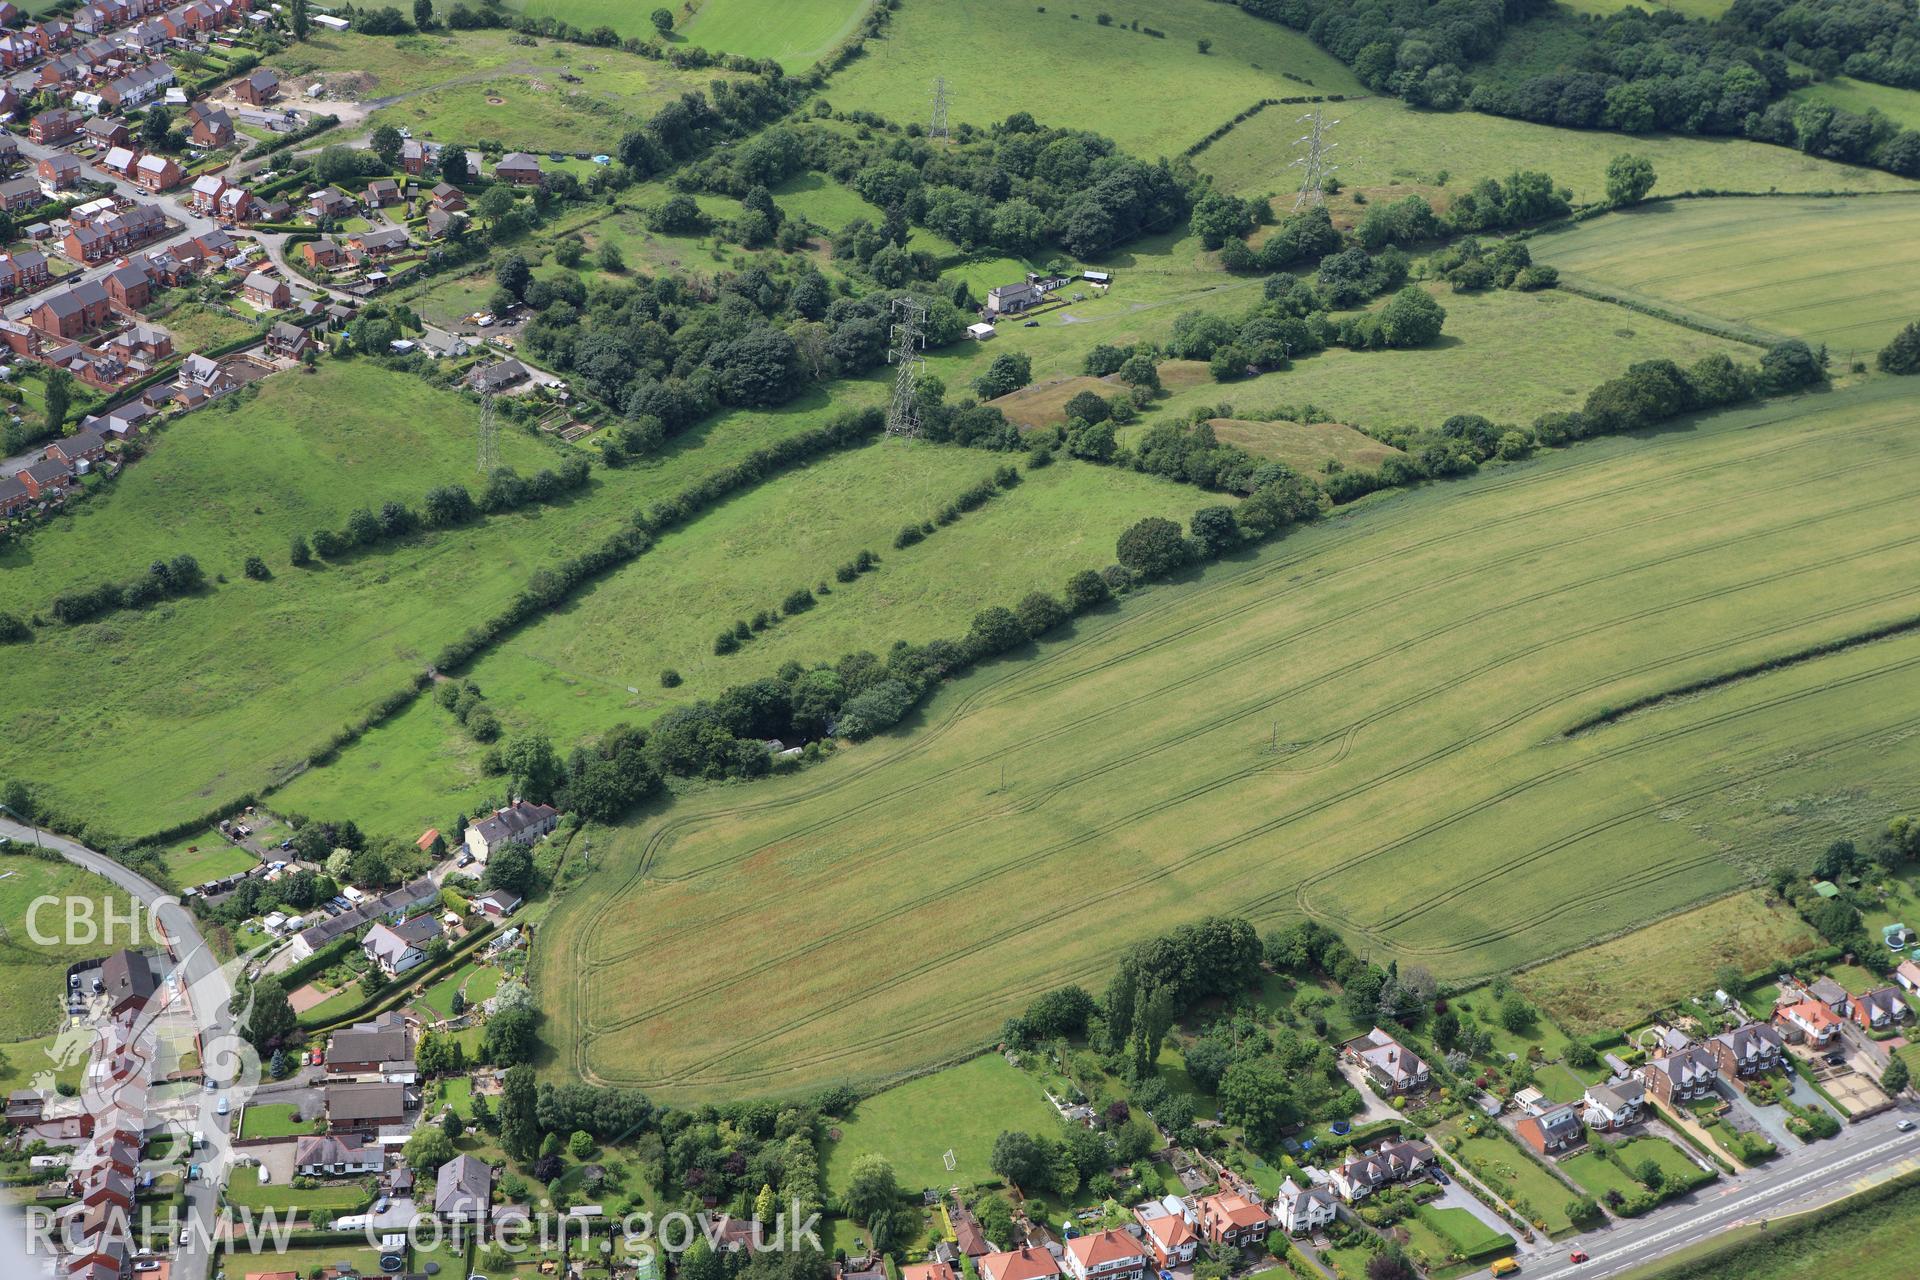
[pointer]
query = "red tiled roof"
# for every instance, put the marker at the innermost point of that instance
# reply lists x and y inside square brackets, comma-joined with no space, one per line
[1103,1247]
[1025,1263]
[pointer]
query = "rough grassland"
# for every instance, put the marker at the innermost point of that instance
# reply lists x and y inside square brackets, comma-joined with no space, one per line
[1902,106]
[597,661]
[1842,272]
[195,701]
[1510,356]
[963,1108]
[1618,983]
[1001,56]
[34,975]
[443,82]
[1360,724]
[1383,141]
[794,33]
[1305,446]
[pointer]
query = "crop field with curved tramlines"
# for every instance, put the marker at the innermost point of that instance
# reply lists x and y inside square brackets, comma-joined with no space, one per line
[1368,722]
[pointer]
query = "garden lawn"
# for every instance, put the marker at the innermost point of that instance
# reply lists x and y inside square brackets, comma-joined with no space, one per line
[439,996]
[1680,1171]
[1385,141]
[1839,272]
[1558,1082]
[1599,1175]
[1503,1166]
[961,1108]
[1464,1233]
[302,1259]
[1622,981]
[1074,73]
[196,326]
[245,1189]
[274,1120]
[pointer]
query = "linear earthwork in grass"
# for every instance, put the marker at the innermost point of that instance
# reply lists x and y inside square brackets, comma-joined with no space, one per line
[1357,724]
[598,662]
[1839,272]
[1074,73]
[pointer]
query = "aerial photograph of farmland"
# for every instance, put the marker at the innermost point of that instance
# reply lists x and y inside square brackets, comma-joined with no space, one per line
[960,639]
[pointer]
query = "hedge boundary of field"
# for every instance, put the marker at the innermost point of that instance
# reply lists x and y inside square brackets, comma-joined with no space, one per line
[1222,131]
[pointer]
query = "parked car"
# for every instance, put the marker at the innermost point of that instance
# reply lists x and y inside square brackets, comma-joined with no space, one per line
[382,1205]
[221,1108]
[147,1264]
[1440,1176]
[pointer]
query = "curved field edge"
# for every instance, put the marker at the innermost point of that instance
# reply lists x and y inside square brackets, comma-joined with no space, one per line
[1235,743]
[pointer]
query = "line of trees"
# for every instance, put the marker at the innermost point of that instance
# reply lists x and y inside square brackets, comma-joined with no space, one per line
[164,579]
[442,507]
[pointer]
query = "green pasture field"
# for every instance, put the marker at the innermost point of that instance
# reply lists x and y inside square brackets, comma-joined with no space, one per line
[1002,56]
[22,1061]
[961,1108]
[203,697]
[1510,356]
[794,33]
[819,199]
[598,662]
[1305,446]
[1902,106]
[1840,272]
[33,973]
[1385,141]
[1618,983]
[1404,781]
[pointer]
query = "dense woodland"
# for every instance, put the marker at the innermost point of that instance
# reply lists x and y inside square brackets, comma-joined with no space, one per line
[1635,71]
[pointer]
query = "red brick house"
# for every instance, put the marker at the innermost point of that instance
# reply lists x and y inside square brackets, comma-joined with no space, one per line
[57,171]
[209,126]
[87,244]
[23,271]
[263,290]
[71,312]
[1107,1255]
[520,169]
[257,89]
[129,287]
[106,131]
[157,173]
[45,477]
[20,193]
[1229,1218]
[84,445]
[56,125]
[320,253]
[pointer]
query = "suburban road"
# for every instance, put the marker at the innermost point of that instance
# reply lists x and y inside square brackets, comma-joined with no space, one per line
[1859,1157]
[208,990]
